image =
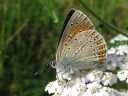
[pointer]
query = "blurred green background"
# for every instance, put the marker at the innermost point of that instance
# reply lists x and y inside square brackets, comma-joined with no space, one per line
[29,31]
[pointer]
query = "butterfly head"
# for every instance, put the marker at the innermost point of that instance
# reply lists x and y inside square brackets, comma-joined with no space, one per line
[53,63]
[61,66]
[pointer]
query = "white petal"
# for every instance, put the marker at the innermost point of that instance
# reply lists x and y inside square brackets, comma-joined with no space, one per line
[123,63]
[78,89]
[122,75]
[51,87]
[127,81]
[94,84]
[110,92]
[95,76]
[66,91]
[119,37]
[109,79]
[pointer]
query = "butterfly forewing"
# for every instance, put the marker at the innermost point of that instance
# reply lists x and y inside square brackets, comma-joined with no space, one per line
[75,23]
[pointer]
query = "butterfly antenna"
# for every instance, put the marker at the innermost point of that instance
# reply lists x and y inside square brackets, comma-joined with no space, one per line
[42,69]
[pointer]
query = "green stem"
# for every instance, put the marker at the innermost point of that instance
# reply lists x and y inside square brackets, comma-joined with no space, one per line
[101,20]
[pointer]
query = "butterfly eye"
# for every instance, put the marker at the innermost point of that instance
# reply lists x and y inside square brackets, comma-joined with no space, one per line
[53,63]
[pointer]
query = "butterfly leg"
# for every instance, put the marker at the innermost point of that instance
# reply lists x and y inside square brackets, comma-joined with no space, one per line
[61,74]
[57,74]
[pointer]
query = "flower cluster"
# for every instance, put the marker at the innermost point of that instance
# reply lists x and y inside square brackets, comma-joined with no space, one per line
[119,37]
[98,82]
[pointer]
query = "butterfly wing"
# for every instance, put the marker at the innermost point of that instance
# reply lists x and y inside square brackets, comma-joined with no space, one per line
[85,51]
[75,23]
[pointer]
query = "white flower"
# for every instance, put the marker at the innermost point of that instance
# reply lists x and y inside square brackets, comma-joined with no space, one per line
[94,84]
[66,92]
[95,76]
[87,93]
[109,79]
[106,91]
[127,80]
[78,89]
[55,86]
[124,92]
[122,75]
[92,89]
[123,63]
[51,87]
[122,50]
[111,50]
[111,62]
[119,37]
[78,80]
[82,75]
[56,94]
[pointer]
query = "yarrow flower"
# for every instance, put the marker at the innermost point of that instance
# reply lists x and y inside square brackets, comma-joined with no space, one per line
[106,91]
[119,37]
[123,63]
[95,76]
[112,62]
[92,89]
[122,75]
[109,79]
[96,82]
[120,50]
[55,87]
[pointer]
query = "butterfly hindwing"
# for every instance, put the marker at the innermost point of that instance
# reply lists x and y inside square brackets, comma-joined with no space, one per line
[85,51]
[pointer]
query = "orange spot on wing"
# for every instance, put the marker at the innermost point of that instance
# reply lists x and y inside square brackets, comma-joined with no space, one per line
[86,26]
[68,40]
[100,46]
[101,50]
[74,31]
[101,59]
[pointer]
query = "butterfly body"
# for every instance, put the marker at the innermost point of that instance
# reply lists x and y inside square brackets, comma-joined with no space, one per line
[80,45]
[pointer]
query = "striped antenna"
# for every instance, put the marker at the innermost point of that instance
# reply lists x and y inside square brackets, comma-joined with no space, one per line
[42,69]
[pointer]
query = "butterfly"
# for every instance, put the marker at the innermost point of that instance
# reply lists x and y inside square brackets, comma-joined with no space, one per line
[80,45]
